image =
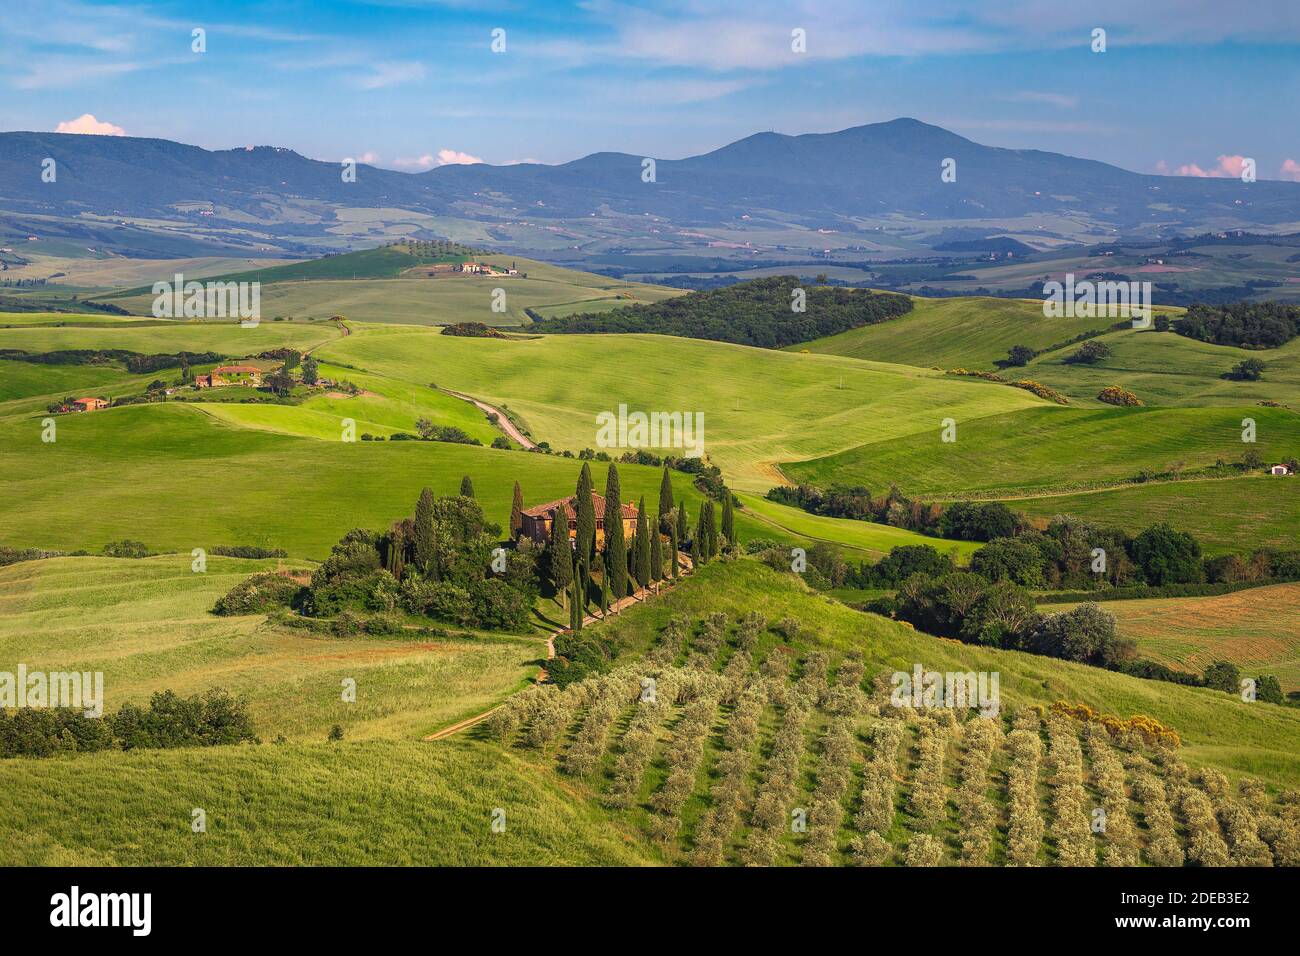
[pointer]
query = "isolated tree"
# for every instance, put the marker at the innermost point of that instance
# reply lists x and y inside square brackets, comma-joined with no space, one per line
[425,542]
[728,519]
[643,548]
[673,547]
[665,501]
[699,543]
[310,373]
[1020,355]
[586,537]
[466,487]
[517,513]
[560,558]
[615,546]
[656,556]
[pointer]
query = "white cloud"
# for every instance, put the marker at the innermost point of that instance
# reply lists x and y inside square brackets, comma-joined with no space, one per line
[452,157]
[425,161]
[390,74]
[86,123]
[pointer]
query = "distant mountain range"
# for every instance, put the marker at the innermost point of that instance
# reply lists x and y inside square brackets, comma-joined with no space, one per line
[139,196]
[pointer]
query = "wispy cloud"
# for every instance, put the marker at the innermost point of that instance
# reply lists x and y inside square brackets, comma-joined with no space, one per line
[390,74]
[1059,100]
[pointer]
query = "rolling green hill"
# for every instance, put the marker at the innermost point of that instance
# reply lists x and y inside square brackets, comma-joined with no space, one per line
[1055,448]
[966,332]
[398,801]
[177,478]
[760,406]
[387,285]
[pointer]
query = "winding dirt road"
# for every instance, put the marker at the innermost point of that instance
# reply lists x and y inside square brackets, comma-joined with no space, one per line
[503,420]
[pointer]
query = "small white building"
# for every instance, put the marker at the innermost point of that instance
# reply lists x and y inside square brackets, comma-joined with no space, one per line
[1279,470]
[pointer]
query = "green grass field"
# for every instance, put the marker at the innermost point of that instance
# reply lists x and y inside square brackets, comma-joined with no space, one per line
[1257,629]
[1231,515]
[968,332]
[153,631]
[1053,447]
[374,286]
[876,540]
[1163,368]
[176,478]
[760,406]
[227,337]
[399,802]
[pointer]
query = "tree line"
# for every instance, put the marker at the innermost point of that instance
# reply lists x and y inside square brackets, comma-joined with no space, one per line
[761,312]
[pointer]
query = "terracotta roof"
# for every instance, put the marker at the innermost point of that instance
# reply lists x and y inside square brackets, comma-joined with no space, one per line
[597,501]
[78,401]
[235,368]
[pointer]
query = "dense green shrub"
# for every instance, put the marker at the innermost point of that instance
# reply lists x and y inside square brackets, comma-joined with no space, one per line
[257,594]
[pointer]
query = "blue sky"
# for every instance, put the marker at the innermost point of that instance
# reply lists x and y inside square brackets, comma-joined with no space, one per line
[1184,85]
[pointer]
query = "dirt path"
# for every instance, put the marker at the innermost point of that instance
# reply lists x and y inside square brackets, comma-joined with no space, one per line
[637,597]
[503,420]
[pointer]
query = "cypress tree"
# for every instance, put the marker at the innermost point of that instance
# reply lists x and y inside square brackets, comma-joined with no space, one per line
[633,556]
[711,529]
[683,523]
[615,546]
[672,550]
[586,539]
[561,554]
[643,548]
[466,487]
[699,543]
[665,502]
[728,519]
[656,556]
[424,541]
[517,514]
[599,567]
[575,608]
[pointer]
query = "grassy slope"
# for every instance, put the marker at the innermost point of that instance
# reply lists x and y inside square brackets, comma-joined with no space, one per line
[386,802]
[1257,629]
[368,287]
[1233,515]
[759,406]
[1163,368]
[227,338]
[177,479]
[377,803]
[1056,447]
[153,630]
[875,539]
[970,331]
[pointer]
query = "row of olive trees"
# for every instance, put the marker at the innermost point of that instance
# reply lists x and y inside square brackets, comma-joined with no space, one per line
[928,798]
[1025,827]
[875,813]
[611,693]
[770,814]
[682,756]
[733,769]
[975,811]
[1075,845]
[1120,844]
